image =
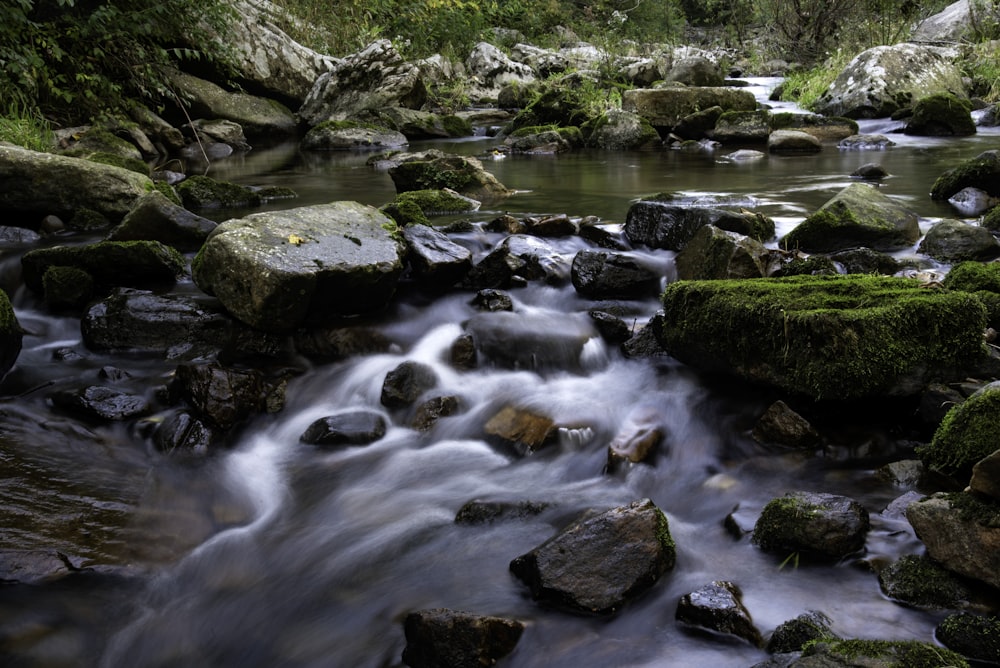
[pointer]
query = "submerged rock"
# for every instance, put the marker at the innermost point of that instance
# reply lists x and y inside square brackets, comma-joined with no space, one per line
[278,270]
[350,428]
[535,341]
[718,607]
[224,396]
[865,143]
[487,512]
[826,526]
[598,564]
[440,637]
[204,192]
[961,533]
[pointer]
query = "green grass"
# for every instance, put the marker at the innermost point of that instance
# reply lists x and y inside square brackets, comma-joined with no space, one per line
[25,129]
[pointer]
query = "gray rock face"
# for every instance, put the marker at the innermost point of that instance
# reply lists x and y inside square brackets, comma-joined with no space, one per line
[435,170]
[883,79]
[718,254]
[955,241]
[278,270]
[670,226]
[256,115]
[793,141]
[336,137]
[606,275]
[440,637]
[374,78]
[859,215]
[156,218]
[492,70]
[986,476]
[960,533]
[948,25]
[40,184]
[597,565]
[819,525]
[718,607]
[695,71]
[436,260]
[622,130]
[126,263]
[10,335]
[666,107]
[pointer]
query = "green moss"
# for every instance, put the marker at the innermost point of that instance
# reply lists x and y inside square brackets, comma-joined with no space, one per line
[981,172]
[897,653]
[85,219]
[67,286]
[406,212]
[973,277]
[8,321]
[966,434]
[972,508]
[665,539]
[168,191]
[529,130]
[115,160]
[975,636]
[991,220]
[427,176]
[829,337]
[919,581]
[436,202]
[777,521]
[108,262]
[942,114]
[456,126]
[203,192]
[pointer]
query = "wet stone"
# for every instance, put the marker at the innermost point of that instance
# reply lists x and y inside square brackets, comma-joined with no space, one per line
[606,275]
[790,636]
[825,526]
[612,329]
[636,441]
[463,353]
[493,300]
[404,384]
[870,171]
[102,403]
[441,637]
[436,260]
[718,607]
[184,432]
[904,473]
[781,425]
[488,512]
[919,581]
[523,430]
[974,636]
[986,476]
[551,226]
[432,410]
[336,343]
[353,428]
[226,397]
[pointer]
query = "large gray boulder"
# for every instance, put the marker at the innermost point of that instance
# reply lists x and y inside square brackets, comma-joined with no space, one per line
[258,116]
[859,215]
[278,270]
[662,223]
[666,107]
[961,533]
[435,170]
[619,130]
[884,79]
[10,335]
[718,254]
[953,23]
[38,184]
[491,69]
[598,564]
[372,79]
[954,241]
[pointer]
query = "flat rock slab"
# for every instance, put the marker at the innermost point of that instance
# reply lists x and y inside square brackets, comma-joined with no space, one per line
[278,270]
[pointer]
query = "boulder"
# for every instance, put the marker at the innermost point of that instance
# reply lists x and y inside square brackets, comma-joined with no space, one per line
[492,70]
[224,397]
[406,383]
[870,171]
[427,413]
[961,533]
[67,287]
[974,636]
[695,71]
[440,637]
[493,300]
[972,201]
[951,24]
[718,607]
[373,79]
[793,635]
[955,241]
[618,130]
[542,61]
[865,143]
[986,476]
[156,218]
[823,128]
[880,81]
[537,141]
[110,263]
[219,130]
[259,117]
[852,653]
[780,425]
[537,341]
[640,72]
[919,581]
[416,124]
[99,402]
[278,270]
[34,184]
[599,563]
[350,135]
[612,329]
[670,226]
[966,435]
[666,107]
[436,170]
[982,172]
[520,429]
[359,427]
[793,141]
[204,192]
[699,124]
[606,275]
[742,127]
[825,526]
[865,261]
[557,225]
[859,215]
[184,432]
[435,260]
[717,254]
[828,337]
[10,335]
[941,115]
[327,344]
[517,259]
[973,277]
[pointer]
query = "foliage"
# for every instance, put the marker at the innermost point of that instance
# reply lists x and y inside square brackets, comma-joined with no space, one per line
[806,86]
[75,59]
[25,128]
[982,66]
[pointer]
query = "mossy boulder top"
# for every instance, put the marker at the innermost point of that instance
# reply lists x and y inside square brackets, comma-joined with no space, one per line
[38,184]
[278,270]
[436,170]
[827,337]
[982,172]
[258,116]
[665,107]
[859,215]
[10,335]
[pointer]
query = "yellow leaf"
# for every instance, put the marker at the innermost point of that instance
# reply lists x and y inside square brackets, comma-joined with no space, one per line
[296,240]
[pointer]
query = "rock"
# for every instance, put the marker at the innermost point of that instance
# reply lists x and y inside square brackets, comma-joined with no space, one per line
[618,130]
[110,263]
[883,79]
[156,218]
[718,607]
[612,329]
[870,171]
[37,184]
[542,61]
[259,117]
[698,124]
[493,70]
[358,427]
[416,124]
[972,201]
[101,403]
[140,321]
[636,440]
[493,300]
[918,581]
[598,564]
[516,259]
[965,435]
[782,426]
[828,337]
[327,344]
[427,413]
[645,342]
[865,261]
[559,225]
[536,341]
[865,143]
[640,72]
[974,277]
[904,473]
[204,192]
[67,287]
[436,261]
[858,215]
[744,155]
[606,275]
[717,254]
[375,78]
[955,241]
[665,107]
[521,429]
[437,202]
[559,104]
[949,25]
[695,71]
[986,476]
[221,131]
[534,141]
[440,637]
[488,512]
[404,384]
[34,567]
[792,141]
[349,136]
[225,397]
[825,526]
[793,635]
[436,170]
[941,115]
[661,224]
[961,533]
[183,431]
[974,636]
[742,127]
[876,654]
[823,128]
[462,354]
[18,236]
[277,270]
[982,172]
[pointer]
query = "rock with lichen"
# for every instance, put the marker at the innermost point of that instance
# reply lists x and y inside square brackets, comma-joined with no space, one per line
[812,525]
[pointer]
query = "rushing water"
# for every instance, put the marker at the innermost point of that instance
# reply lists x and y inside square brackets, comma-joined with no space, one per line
[278,554]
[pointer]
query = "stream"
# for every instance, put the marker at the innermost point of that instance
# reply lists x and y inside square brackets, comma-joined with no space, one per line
[276,553]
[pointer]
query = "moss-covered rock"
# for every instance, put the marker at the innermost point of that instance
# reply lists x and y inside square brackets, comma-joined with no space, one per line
[132,164]
[982,172]
[110,263]
[974,636]
[968,433]
[991,220]
[973,277]
[741,127]
[961,531]
[156,218]
[665,107]
[437,202]
[67,286]
[859,215]
[204,192]
[351,135]
[824,128]
[878,654]
[955,241]
[917,580]
[435,170]
[824,526]
[619,130]
[10,335]
[719,254]
[941,115]
[828,337]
